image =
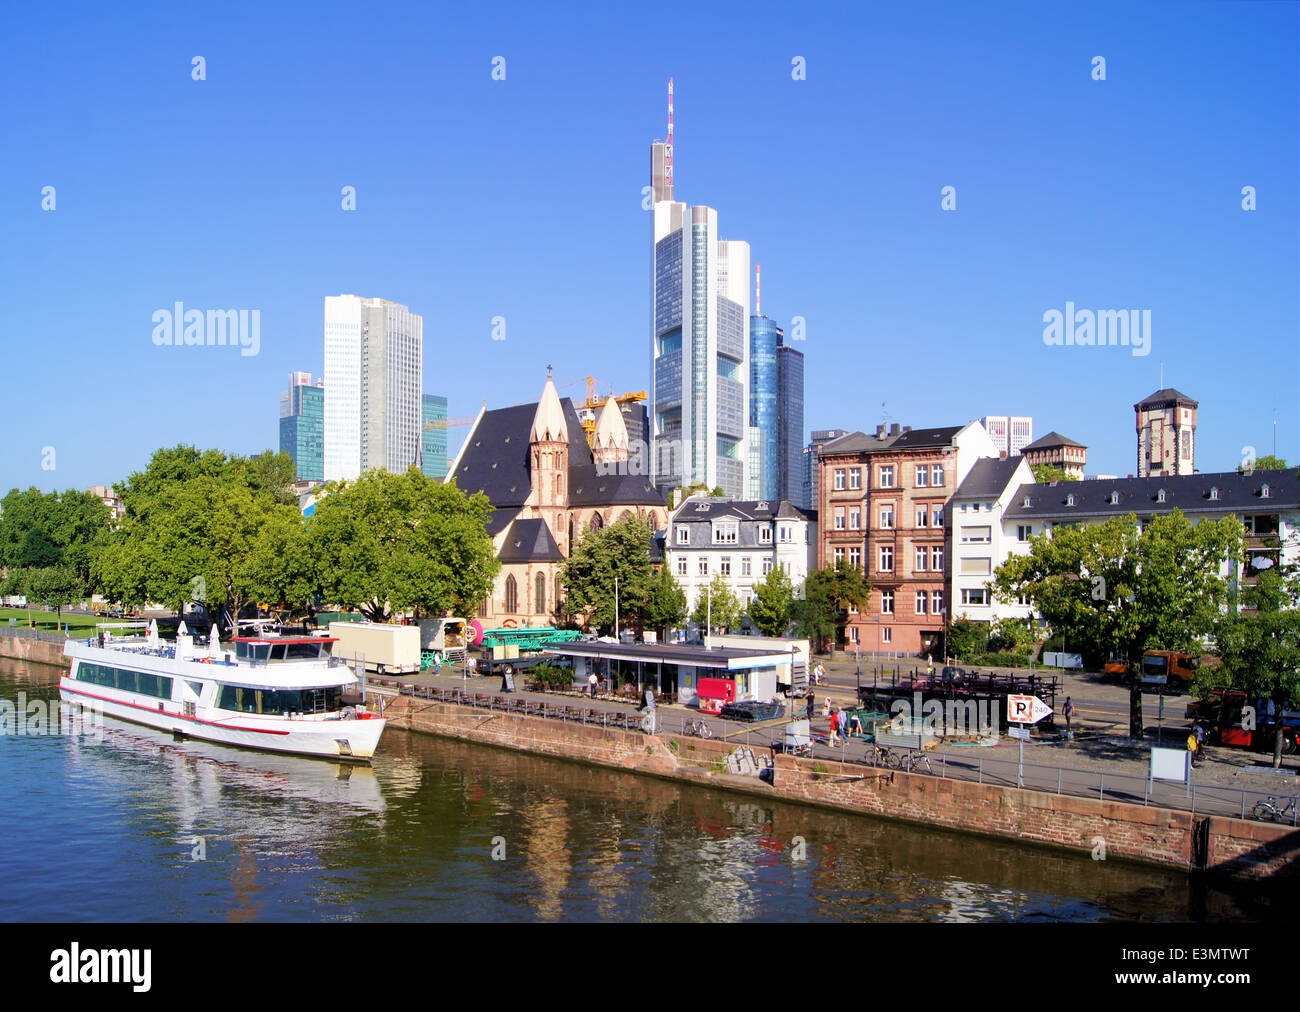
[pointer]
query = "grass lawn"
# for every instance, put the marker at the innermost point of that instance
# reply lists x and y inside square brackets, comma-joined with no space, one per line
[80,625]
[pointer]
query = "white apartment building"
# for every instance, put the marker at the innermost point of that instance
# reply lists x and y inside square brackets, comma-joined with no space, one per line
[995,513]
[980,541]
[374,369]
[741,541]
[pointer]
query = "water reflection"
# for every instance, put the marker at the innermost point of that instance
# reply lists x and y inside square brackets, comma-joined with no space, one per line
[109,830]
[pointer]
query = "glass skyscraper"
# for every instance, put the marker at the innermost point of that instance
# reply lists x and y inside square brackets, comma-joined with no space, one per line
[699,359]
[789,423]
[764,407]
[302,426]
[433,442]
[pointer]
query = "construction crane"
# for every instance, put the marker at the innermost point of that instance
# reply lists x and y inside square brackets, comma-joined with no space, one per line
[451,423]
[588,411]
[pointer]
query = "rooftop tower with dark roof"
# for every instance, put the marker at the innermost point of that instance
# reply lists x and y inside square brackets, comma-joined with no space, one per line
[1166,434]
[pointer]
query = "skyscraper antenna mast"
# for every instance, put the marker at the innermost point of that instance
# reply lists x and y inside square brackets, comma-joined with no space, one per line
[758,289]
[668,153]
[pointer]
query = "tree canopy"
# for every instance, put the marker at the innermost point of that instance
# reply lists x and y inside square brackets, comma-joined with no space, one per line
[622,551]
[773,603]
[823,612]
[717,607]
[1115,587]
[394,542]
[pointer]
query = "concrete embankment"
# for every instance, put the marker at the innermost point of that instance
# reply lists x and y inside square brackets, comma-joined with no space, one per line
[23,648]
[1116,830]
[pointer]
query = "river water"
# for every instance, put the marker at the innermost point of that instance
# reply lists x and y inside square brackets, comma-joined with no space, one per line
[135,826]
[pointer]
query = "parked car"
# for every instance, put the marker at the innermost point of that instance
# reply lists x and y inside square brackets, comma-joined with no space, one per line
[751,709]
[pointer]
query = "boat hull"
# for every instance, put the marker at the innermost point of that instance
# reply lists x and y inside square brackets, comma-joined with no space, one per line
[355,738]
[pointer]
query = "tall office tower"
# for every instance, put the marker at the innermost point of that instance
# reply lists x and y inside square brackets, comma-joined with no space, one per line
[1166,434]
[302,426]
[433,442]
[764,406]
[374,368]
[789,425]
[812,465]
[699,374]
[1010,433]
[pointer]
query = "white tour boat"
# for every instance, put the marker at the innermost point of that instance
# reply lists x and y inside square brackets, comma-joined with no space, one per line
[272,692]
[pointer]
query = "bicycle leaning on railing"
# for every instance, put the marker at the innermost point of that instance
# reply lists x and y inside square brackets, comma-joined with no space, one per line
[697,729]
[1268,811]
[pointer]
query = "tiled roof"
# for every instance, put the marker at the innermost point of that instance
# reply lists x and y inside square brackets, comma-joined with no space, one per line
[530,541]
[1052,440]
[495,461]
[1164,397]
[988,478]
[1191,493]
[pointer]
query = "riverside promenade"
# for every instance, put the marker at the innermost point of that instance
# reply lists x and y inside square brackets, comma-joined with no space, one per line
[1101,762]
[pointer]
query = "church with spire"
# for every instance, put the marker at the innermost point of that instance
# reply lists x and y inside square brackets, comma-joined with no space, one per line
[548,486]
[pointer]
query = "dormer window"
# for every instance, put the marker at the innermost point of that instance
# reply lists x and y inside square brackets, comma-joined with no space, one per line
[1114,498]
[1025,504]
[725,533]
[1264,492]
[762,506]
[1214,492]
[1069,499]
[1160,495]
[702,507]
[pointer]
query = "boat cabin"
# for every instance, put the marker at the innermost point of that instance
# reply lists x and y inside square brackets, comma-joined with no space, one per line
[258,650]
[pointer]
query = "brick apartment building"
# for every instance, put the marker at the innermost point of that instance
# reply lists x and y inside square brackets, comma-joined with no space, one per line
[882,500]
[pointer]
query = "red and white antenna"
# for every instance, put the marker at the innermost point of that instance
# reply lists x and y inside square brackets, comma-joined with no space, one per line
[758,289]
[668,151]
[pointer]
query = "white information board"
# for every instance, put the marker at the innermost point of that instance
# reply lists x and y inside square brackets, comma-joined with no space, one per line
[1170,764]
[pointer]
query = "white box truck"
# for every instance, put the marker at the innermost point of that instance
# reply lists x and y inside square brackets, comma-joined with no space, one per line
[386,649]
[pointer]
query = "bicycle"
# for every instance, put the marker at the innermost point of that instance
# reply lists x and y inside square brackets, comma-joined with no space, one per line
[878,755]
[913,761]
[1268,811]
[697,729]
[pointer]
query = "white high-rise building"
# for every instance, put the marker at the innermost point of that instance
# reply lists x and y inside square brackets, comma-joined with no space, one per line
[374,369]
[699,375]
[1010,433]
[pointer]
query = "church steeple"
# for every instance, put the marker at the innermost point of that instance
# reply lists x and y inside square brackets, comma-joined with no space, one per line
[610,443]
[550,448]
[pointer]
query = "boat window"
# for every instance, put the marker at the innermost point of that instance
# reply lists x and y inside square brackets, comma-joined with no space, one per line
[277,652]
[303,651]
[130,682]
[242,699]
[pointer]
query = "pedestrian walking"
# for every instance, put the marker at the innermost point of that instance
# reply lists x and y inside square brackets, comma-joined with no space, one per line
[826,707]
[1069,712]
[835,716]
[812,699]
[929,665]
[591,685]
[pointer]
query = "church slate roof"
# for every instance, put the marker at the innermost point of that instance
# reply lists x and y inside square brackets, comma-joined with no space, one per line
[530,541]
[495,461]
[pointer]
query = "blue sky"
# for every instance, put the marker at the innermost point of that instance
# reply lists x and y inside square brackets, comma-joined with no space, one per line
[522,199]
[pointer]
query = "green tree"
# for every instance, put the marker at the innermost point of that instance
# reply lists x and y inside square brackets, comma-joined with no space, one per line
[1259,647]
[1045,474]
[816,618]
[55,587]
[665,604]
[828,595]
[967,638]
[389,543]
[1268,462]
[717,604]
[620,551]
[773,602]
[1115,587]
[191,523]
